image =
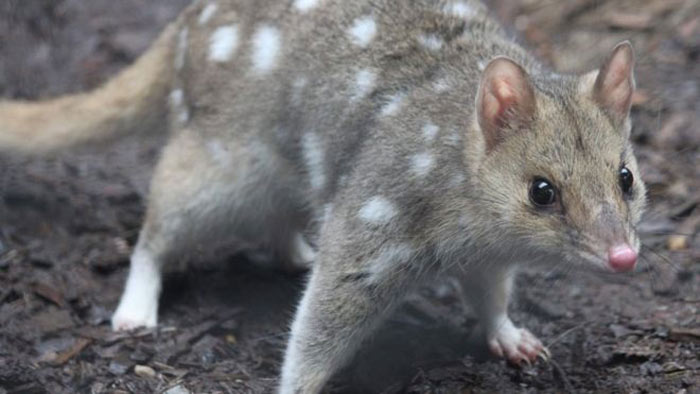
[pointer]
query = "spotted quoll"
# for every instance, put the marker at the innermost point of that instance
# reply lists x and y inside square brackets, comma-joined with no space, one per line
[377,143]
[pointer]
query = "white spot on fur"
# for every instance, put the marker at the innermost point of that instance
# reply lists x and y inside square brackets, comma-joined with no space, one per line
[441,85]
[453,139]
[461,9]
[266,47]
[298,88]
[422,163]
[377,210]
[327,212]
[207,12]
[305,5]
[183,116]
[177,105]
[362,31]
[218,152]
[430,131]
[430,41]
[389,259]
[181,50]
[393,105]
[482,65]
[176,98]
[312,149]
[223,43]
[364,82]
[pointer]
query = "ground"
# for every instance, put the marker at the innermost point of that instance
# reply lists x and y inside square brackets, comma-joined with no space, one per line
[68,223]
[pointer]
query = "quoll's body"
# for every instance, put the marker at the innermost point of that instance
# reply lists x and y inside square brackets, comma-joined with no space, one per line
[401,139]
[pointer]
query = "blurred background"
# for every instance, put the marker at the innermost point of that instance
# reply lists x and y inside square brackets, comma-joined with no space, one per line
[67,225]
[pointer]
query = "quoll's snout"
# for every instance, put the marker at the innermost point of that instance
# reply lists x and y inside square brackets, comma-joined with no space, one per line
[622,258]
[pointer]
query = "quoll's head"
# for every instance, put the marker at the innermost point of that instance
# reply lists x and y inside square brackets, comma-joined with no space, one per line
[556,164]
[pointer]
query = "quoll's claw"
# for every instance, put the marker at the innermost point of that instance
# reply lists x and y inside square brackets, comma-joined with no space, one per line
[517,345]
[546,354]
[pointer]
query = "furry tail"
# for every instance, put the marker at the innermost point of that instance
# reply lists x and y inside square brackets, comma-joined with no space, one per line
[133,101]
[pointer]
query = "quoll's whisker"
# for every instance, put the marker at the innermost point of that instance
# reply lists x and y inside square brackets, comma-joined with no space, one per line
[667,233]
[662,258]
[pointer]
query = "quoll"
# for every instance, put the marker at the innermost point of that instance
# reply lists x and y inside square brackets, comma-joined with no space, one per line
[380,144]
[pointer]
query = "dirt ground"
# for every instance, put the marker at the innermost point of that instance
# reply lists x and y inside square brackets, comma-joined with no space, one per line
[67,225]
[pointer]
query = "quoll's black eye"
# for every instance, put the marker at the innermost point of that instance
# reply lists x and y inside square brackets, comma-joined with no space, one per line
[626,180]
[542,193]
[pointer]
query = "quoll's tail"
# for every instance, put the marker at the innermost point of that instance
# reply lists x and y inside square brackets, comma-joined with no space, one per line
[133,101]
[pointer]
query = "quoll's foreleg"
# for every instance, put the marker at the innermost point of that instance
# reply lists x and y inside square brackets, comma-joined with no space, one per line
[343,303]
[489,293]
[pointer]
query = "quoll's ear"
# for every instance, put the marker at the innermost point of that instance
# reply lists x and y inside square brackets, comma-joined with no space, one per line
[505,101]
[614,85]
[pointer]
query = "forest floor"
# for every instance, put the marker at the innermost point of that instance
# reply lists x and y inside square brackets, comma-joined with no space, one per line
[68,223]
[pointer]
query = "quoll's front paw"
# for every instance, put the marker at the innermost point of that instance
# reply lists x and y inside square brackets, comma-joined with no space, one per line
[517,345]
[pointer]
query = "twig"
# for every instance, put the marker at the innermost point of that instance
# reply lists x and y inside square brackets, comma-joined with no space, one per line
[562,375]
[565,333]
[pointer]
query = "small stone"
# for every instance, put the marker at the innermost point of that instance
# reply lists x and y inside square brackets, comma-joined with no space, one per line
[144,371]
[97,387]
[650,368]
[620,331]
[677,242]
[117,367]
[179,389]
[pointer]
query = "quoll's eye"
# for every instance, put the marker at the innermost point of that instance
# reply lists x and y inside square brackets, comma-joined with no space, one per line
[542,193]
[626,180]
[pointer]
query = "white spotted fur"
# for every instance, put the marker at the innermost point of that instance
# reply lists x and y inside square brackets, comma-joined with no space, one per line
[305,5]
[223,43]
[378,210]
[422,163]
[207,12]
[363,30]
[266,47]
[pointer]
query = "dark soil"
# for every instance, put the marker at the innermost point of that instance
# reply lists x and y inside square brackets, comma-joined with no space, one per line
[67,225]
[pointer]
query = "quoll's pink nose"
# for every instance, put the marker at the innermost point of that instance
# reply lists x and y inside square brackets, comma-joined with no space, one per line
[622,258]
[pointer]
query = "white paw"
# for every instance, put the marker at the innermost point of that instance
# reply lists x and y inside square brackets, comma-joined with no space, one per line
[138,306]
[517,345]
[129,317]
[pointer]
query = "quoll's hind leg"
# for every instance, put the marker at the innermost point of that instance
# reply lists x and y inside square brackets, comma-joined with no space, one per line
[199,192]
[138,306]
[177,204]
[489,292]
